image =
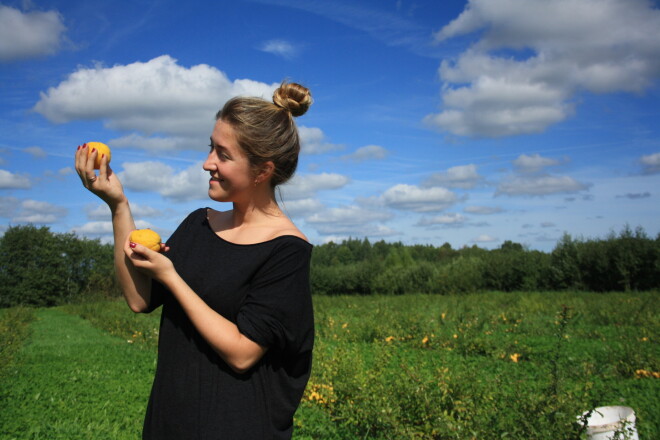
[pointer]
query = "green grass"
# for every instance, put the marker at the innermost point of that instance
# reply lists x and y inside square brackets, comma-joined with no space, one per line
[497,365]
[74,381]
[14,329]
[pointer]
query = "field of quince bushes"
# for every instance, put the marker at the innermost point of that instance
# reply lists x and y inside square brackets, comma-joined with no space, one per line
[519,365]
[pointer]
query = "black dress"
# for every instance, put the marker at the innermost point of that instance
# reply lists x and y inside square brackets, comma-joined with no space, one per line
[264,289]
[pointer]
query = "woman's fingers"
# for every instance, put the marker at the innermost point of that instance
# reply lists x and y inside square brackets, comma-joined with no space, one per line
[85,166]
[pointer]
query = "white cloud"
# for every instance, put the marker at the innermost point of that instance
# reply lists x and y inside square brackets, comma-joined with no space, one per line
[482,210]
[449,219]
[102,212]
[157,96]
[302,207]
[651,163]
[313,141]
[100,228]
[9,180]
[34,211]
[36,152]
[464,176]
[351,220]
[539,185]
[188,184]
[29,34]
[368,152]
[533,164]
[280,48]
[484,238]
[412,198]
[605,46]
[303,186]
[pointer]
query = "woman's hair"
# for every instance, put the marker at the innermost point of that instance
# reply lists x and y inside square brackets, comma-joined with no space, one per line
[266,130]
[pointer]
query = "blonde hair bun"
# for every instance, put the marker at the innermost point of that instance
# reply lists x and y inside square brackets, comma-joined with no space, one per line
[293,97]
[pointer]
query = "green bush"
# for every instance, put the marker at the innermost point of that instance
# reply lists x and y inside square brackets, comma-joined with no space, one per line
[41,268]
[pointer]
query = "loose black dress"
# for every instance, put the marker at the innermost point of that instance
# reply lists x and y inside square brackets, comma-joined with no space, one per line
[264,289]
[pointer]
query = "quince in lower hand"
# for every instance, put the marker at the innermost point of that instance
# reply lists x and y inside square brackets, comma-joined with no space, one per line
[102,149]
[147,238]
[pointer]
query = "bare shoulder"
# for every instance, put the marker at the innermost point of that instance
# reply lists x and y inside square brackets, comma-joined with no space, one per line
[288,228]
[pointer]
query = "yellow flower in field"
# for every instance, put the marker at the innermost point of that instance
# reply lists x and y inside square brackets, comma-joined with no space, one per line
[644,339]
[646,373]
[389,339]
[455,336]
[443,316]
[344,325]
[425,340]
[514,357]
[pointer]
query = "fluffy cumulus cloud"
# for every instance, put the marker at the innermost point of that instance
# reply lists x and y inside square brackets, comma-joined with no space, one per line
[533,164]
[532,56]
[9,180]
[301,207]
[313,141]
[104,228]
[102,212]
[303,186]
[154,97]
[413,198]
[188,184]
[29,34]
[464,177]
[38,212]
[650,163]
[351,220]
[531,179]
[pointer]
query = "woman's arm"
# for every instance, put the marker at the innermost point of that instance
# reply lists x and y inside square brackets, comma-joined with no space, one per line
[135,286]
[237,350]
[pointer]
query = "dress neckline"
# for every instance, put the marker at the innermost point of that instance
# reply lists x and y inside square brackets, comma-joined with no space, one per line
[271,240]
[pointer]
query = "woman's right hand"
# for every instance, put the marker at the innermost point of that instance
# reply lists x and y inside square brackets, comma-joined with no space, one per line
[106,185]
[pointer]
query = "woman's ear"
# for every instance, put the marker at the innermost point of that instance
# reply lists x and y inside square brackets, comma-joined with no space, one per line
[265,172]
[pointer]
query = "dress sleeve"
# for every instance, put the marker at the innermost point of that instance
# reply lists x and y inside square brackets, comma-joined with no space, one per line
[277,310]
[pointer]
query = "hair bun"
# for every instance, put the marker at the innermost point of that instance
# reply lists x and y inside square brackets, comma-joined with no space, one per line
[293,97]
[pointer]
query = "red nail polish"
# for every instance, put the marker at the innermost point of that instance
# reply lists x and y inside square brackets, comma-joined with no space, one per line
[84,145]
[79,147]
[93,150]
[131,244]
[103,155]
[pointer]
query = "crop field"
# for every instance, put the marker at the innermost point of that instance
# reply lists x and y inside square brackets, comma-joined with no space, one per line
[482,366]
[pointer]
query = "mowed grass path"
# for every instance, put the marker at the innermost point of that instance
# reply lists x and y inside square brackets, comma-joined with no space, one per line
[94,386]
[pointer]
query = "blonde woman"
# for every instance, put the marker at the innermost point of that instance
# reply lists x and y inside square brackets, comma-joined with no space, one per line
[237,328]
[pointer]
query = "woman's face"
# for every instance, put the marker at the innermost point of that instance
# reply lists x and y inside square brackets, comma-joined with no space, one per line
[232,178]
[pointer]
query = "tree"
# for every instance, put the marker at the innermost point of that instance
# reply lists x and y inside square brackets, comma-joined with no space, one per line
[40,268]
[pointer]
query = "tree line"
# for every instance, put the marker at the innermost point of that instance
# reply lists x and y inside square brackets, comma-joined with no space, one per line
[42,268]
[629,260]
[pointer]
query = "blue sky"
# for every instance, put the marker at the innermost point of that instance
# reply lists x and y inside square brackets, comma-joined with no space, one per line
[468,122]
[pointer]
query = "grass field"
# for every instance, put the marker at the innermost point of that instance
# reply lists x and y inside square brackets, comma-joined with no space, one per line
[483,366]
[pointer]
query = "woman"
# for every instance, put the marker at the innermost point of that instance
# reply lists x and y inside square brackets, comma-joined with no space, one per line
[237,330]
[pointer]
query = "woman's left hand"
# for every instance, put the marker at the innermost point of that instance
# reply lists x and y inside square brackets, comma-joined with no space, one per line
[151,263]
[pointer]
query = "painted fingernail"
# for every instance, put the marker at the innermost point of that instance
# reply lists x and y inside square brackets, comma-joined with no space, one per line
[131,244]
[84,145]
[79,147]
[93,150]
[103,155]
